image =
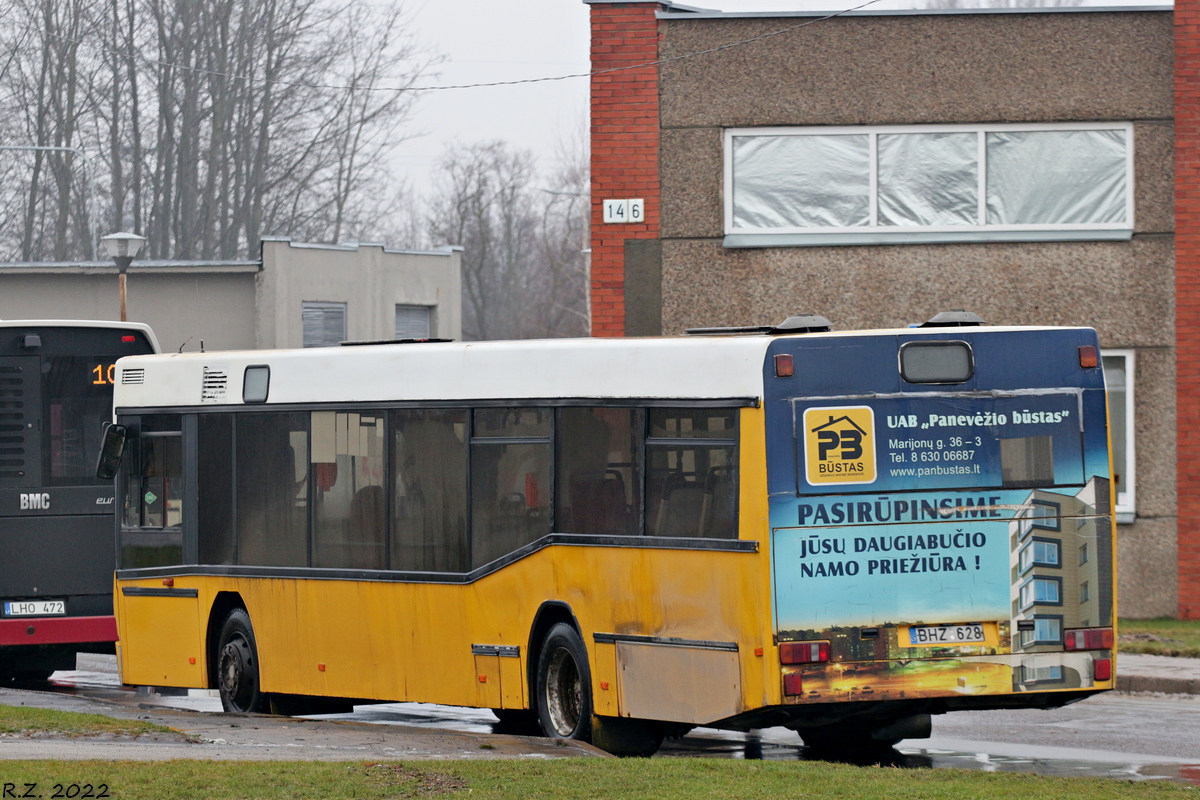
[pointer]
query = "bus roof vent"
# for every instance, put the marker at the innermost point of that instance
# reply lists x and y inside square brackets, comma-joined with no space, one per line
[133,377]
[804,323]
[212,390]
[362,342]
[801,323]
[957,318]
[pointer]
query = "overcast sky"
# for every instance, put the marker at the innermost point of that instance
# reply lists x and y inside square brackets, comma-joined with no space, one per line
[499,40]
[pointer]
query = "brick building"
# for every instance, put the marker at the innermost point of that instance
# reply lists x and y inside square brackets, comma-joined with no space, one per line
[1061,148]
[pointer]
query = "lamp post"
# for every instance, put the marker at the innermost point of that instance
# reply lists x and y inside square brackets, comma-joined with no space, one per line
[121,248]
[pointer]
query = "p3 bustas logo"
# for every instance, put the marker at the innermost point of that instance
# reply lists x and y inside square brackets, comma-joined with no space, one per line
[839,445]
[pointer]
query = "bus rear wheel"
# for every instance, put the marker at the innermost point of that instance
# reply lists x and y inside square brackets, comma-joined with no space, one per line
[564,686]
[237,666]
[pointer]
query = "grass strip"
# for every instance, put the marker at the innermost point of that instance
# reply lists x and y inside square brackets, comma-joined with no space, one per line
[26,721]
[566,779]
[1160,637]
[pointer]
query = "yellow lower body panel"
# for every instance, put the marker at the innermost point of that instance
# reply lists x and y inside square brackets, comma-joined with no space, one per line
[468,644]
[947,677]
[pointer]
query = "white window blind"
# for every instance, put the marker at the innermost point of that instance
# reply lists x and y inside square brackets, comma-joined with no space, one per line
[413,322]
[324,323]
[928,183]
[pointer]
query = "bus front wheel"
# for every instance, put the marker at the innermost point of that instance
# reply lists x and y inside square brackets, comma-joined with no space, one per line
[564,686]
[237,666]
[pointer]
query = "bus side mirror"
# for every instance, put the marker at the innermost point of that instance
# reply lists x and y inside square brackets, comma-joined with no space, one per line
[111,451]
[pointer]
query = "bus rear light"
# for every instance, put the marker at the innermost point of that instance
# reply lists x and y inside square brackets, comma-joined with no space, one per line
[785,367]
[1087,356]
[128,338]
[803,652]
[1102,669]
[793,686]
[1089,639]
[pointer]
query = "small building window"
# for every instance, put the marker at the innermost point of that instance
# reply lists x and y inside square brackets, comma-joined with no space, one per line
[864,185]
[324,323]
[1041,591]
[414,322]
[1118,381]
[1041,553]
[1046,630]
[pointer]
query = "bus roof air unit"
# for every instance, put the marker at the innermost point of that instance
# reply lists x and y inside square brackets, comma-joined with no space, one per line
[800,323]
[956,318]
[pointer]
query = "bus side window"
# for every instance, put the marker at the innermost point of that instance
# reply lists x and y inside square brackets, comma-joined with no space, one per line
[691,467]
[598,481]
[349,523]
[272,489]
[214,507]
[153,508]
[510,480]
[429,490]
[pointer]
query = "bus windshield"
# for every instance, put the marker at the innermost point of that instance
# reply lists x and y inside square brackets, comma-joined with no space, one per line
[76,403]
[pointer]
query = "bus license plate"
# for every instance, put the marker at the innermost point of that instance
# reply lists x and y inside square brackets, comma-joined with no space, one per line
[35,608]
[946,634]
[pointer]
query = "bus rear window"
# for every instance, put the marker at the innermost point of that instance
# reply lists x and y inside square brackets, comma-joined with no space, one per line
[936,362]
[76,402]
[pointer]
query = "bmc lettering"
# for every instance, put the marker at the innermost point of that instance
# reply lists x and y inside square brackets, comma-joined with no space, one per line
[38,501]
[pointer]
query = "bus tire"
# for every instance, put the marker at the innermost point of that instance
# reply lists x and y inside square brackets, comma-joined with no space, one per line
[517,721]
[237,666]
[564,686]
[623,736]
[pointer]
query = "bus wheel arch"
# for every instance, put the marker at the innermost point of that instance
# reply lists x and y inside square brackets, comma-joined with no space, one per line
[564,685]
[549,614]
[238,676]
[223,603]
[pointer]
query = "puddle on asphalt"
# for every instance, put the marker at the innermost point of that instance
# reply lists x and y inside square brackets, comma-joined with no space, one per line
[754,746]
[774,744]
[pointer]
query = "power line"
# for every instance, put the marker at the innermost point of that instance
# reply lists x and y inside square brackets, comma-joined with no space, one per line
[516,82]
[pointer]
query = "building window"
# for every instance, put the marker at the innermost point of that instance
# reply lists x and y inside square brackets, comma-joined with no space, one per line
[414,322]
[324,323]
[1118,380]
[824,186]
[1046,630]
[1050,673]
[1041,553]
[1041,591]
[1085,593]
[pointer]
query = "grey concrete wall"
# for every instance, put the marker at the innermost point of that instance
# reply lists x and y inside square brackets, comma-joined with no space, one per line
[180,305]
[940,69]
[369,278]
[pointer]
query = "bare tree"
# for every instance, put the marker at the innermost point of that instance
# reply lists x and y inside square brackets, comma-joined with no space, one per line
[213,122]
[524,266]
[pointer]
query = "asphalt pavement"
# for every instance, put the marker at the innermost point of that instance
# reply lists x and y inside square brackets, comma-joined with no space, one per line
[198,735]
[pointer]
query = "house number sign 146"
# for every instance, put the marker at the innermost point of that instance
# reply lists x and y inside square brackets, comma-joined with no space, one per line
[628,211]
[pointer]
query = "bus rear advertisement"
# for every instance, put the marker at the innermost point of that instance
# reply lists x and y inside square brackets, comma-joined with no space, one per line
[56,517]
[619,539]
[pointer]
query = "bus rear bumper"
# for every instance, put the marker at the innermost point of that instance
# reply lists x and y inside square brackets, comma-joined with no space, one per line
[964,677]
[57,630]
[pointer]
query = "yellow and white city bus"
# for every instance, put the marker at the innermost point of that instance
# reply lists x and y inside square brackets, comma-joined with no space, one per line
[840,532]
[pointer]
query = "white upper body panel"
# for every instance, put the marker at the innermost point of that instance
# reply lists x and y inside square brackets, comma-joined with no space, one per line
[696,367]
